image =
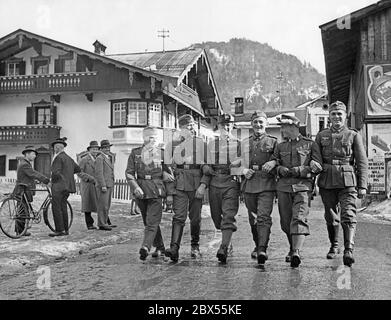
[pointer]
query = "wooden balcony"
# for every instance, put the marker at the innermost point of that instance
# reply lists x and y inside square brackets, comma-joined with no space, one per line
[32,134]
[57,82]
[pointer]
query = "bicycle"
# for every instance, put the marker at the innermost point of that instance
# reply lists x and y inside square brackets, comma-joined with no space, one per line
[16,210]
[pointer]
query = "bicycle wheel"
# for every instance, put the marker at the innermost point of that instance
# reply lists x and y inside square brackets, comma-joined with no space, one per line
[14,217]
[48,216]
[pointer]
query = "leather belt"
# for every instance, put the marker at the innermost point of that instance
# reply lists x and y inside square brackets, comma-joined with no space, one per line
[188,166]
[223,171]
[338,162]
[148,177]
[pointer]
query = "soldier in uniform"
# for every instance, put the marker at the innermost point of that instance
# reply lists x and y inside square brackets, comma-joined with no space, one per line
[259,185]
[149,179]
[187,155]
[298,160]
[223,155]
[345,172]
[25,180]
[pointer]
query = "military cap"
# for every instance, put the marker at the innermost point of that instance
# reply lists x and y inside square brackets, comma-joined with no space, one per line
[104,144]
[288,119]
[185,119]
[60,140]
[225,118]
[337,105]
[93,144]
[258,114]
[150,132]
[29,149]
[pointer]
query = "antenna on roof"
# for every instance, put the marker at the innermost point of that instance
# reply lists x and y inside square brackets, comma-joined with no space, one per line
[163,34]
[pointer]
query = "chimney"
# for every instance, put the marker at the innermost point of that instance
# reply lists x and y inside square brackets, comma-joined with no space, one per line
[99,48]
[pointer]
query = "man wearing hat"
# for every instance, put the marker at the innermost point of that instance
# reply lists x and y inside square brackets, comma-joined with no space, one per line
[150,180]
[187,156]
[299,160]
[63,183]
[104,176]
[25,181]
[224,187]
[87,183]
[259,185]
[344,176]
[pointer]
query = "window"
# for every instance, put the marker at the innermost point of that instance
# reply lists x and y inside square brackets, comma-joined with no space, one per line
[323,123]
[155,114]
[137,112]
[13,69]
[42,115]
[119,114]
[12,164]
[2,166]
[41,66]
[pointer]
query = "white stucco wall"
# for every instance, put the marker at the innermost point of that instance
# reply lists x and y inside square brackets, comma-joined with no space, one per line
[81,122]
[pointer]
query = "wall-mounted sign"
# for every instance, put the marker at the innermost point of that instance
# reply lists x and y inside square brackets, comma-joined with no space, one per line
[376,175]
[378,90]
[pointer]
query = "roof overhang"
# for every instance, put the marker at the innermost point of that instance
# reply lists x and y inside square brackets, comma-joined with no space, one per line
[341,47]
[20,33]
[183,95]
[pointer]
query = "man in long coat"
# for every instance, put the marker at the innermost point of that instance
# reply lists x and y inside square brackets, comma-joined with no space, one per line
[63,183]
[87,184]
[104,175]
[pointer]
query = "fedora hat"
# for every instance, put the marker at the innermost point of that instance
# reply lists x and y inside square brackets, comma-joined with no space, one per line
[29,149]
[105,143]
[60,140]
[93,144]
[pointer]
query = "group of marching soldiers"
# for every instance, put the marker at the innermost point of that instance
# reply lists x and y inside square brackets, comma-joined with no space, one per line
[261,169]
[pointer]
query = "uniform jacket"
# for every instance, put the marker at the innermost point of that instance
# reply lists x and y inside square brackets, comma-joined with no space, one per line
[87,184]
[256,151]
[297,155]
[63,168]
[145,170]
[344,158]
[190,151]
[26,175]
[222,152]
[104,171]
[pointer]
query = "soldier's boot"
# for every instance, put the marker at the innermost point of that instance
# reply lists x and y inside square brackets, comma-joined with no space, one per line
[254,233]
[144,251]
[348,236]
[158,244]
[297,244]
[225,246]
[333,232]
[263,241]
[176,236]
[288,257]
[195,239]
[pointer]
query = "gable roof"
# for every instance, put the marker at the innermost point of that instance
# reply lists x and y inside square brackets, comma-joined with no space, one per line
[341,47]
[168,63]
[8,40]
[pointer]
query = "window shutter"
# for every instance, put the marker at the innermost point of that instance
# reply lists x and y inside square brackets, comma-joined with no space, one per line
[22,67]
[30,115]
[2,68]
[53,115]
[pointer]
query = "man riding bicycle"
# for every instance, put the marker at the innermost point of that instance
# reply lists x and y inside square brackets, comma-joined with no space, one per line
[25,181]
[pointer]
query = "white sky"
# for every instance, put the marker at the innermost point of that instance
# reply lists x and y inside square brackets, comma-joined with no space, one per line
[291,26]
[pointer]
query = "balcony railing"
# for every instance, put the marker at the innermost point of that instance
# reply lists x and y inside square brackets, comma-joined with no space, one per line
[48,82]
[32,134]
